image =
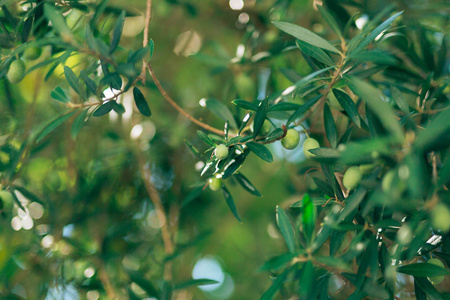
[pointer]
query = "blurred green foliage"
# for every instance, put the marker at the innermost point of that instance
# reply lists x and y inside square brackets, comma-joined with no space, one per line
[104,185]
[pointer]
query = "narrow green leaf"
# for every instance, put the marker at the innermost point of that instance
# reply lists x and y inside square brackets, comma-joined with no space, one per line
[375,33]
[428,288]
[260,117]
[245,104]
[141,103]
[221,110]
[278,262]
[58,21]
[400,100]
[204,137]
[194,282]
[348,105]
[306,36]
[330,126]
[326,155]
[274,135]
[73,81]
[118,107]
[307,280]
[315,52]
[284,106]
[246,184]
[234,165]
[276,285]
[78,123]
[58,94]
[117,32]
[330,20]
[138,55]
[230,203]
[308,218]
[103,109]
[52,125]
[144,284]
[284,224]
[302,109]
[151,46]
[423,270]
[381,109]
[260,150]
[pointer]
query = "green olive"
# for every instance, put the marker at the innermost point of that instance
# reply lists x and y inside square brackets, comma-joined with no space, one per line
[291,140]
[387,180]
[215,183]
[16,71]
[352,177]
[439,278]
[32,53]
[221,151]
[440,217]
[310,144]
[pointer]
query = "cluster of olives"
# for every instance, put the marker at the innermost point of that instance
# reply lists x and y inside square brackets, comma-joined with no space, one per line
[17,68]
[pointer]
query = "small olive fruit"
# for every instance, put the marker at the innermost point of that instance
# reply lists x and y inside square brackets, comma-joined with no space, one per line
[221,151]
[387,180]
[440,217]
[439,278]
[32,53]
[366,169]
[265,128]
[215,183]
[16,71]
[291,140]
[334,103]
[352,177]
[310,144]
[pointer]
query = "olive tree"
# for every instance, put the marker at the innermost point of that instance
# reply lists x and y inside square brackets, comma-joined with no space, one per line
[113,168]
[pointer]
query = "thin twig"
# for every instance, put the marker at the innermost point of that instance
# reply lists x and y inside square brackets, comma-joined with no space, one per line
[148,17]
[180,110]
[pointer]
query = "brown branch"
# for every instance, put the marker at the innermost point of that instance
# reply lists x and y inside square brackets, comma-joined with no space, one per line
[178,108]
[148,17]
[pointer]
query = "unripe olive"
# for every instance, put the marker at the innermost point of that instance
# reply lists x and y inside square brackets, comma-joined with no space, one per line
[16,71]
[291,140]
[334,103]
[32,53]
[265,128]
[386,182]
[221,151]
[440,217]
[440,278]
[215,183]
[352,177]
[366,169]
[310,144]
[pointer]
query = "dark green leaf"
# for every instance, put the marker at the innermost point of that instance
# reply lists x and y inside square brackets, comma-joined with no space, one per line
[118,107]
[435,132]
[194,282]
[260,150]
[302,109]
[151,46]
[58,94]
[245,104]
[330,126]
[73,81]
[246,184]
[117,32]
[306,36]
[274,135]
[381,109]
[103,109]
[315,53]
[141,103]
[78,123]
[326,155]
[138,55]
[286,229]
[330,20]
[230,202]
[284,106]
[400,100]
[422,270]
[278,262]
[307,280]
[428,288]
[260,117]
[348,105]
[276,285]
[205,138]
[58,21]
[144,284]
[375,33]
[52,125]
